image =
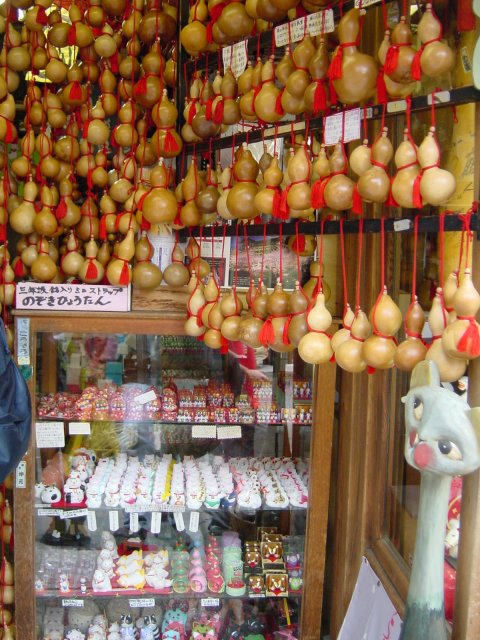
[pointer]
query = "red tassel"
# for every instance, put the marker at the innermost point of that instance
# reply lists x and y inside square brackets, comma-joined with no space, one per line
[209,32]
[140,202]
[208,109]
[286,326]
[298,245]
[318,189]
[41,16]
[332,359]
[319,98]
[170,144]
[113,60]
[61,210]
[266,334]
[277,197]
[416,69]
[75,91]
[10,136]
[470,340]
[140,88]
[125,274]
[92,270]
[72,36]
[218,113]
[391,202]
[19,268]
[283,206]
[335,69]
[3,233]
[85,128]
[417,198]
[178,220]
[332,92]
[216,11]
[192,110]
[145,225]
[102,230]
[223,345]
[370,370]
[199,316]
[357,201]
[381,88]
[278,104]
[391,60]
[201,338]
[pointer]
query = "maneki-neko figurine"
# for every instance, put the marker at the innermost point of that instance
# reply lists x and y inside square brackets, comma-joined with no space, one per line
[442,440]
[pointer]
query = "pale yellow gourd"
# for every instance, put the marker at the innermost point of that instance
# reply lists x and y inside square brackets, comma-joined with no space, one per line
[407,171]
[378,350]
[460,339]
[145,274]
[437,57]
[437,185]
[349,356]
[315,347]
[412,350]
[374,183]
[343,334]
[92,270]
[119,272]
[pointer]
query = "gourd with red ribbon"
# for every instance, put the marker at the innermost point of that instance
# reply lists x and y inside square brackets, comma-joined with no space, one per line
[435,57]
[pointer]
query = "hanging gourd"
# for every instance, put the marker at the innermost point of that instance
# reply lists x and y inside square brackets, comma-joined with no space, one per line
[433,185]
[461,338]
[316,100]
[353,74]
[338,187]
[349,355]
[374,184]
[435,57]
[265,101]
[189,214]
[176,274]
[296,198]
[43,268]
[91,270]
[159,204]
[165,141]
[207,198]
[195,304]
[293,95]
[72,259]
[118,270]
[315,346]
[145,274]
[226,183]
[241,198]
[407,171]
[251,324]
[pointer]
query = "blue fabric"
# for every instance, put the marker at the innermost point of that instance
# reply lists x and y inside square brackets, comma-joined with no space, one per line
[15,411]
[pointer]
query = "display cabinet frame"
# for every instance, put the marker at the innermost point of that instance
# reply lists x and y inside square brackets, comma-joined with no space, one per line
[154,323]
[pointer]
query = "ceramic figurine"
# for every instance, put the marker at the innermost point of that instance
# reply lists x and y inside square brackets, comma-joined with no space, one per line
[441,441]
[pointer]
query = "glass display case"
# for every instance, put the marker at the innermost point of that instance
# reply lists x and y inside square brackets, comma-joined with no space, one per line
[167,486]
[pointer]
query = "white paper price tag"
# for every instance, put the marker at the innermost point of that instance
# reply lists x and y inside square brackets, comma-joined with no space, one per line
[396,106]
[313,25]
[402,225]
[204,431]
[156,522]
[74,513]
[23,341]
[179,522]
[113,520]
[49,435]
[148,396]
[235,57]
[92,521]
[134,525]
[229,431]
[346,122]
[440,96]
[365,3]
[139,603]
[21,475]
[194,520]
[79,428]
[72,602]
[210,602]
[50,512]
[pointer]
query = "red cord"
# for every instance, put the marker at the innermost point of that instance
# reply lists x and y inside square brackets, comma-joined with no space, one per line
[359,264]
[344,265]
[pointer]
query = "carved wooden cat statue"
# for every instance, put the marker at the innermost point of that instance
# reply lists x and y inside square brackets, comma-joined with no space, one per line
[442,440]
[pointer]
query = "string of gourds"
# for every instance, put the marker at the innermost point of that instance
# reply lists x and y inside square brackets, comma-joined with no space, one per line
[307,80]
[7,588]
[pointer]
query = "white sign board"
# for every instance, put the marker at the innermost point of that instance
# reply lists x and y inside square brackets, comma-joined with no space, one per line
[36,296]
[50,435]
[313,25]
[344,122]
[235,58]
[371,614]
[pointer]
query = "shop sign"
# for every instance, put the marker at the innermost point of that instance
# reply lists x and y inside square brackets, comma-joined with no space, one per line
[36,296]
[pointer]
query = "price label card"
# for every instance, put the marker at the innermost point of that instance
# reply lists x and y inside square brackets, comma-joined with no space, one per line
[74,513]
[194,520]
[229,431]
[139,603]
[21,475]
[210,602]
[50,512]
[92,521]
[134,526]
[365,3]
[235,57]
[396,106]
[402,225]
[72,602]
[79,428]
[179,522]
[23,341]
[440,96]
[113,520]
[313,25]
[346,123]
[148,396]
[156,522]
[50,435]
[204,431]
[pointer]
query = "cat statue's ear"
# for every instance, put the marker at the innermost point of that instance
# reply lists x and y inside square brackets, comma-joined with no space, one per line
[425,374]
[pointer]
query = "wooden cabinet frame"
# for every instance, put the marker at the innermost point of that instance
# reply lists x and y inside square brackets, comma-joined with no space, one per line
[320,465]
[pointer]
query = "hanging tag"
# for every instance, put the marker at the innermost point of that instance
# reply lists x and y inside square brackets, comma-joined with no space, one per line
[134,526]
[113,520]
[23,341]
[179,522]
[194,520]
[348,121]
[92,521]
[156,522]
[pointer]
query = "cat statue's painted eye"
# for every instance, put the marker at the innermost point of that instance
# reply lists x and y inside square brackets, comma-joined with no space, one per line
[417,408]
[449,450]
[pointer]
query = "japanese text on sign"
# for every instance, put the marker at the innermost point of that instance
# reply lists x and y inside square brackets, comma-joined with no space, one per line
[345,124]
[50,435]
[23,341]
[235,58]
[313,25]
[74,297]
